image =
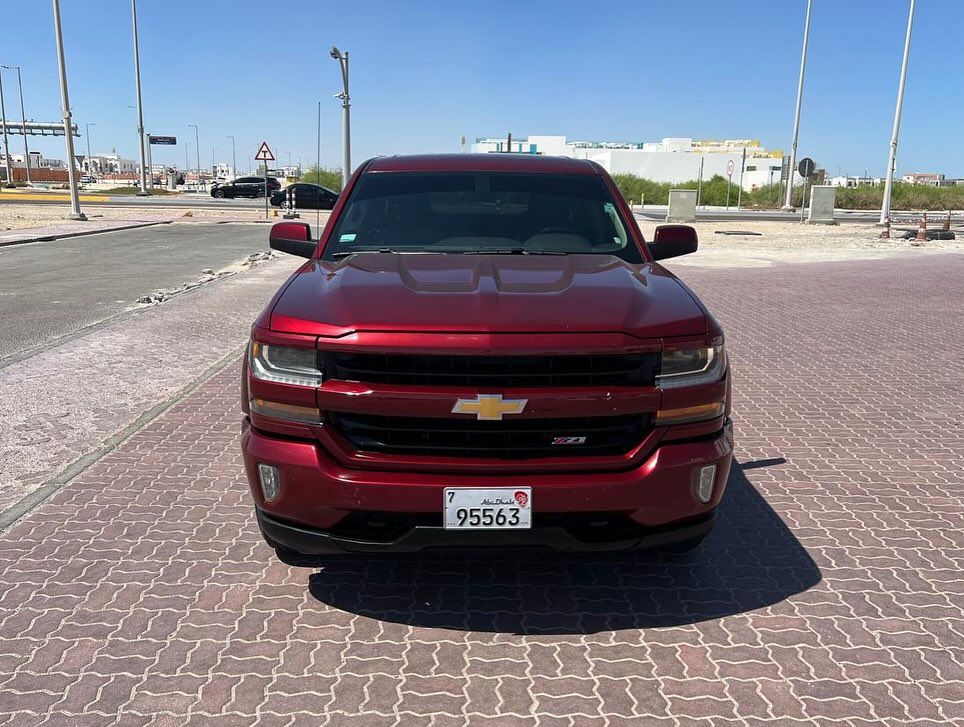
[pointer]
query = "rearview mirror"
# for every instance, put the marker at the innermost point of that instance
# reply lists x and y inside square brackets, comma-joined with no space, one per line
[293,238]
[673,241]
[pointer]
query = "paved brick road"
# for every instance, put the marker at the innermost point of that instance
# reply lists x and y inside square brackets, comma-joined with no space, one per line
[831,592]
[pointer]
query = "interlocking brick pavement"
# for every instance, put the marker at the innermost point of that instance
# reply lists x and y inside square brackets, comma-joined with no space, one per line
[831,591]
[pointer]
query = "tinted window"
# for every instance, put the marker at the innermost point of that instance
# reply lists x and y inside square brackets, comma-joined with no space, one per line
[482,212]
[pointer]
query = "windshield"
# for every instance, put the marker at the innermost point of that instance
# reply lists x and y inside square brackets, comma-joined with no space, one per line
[481,213]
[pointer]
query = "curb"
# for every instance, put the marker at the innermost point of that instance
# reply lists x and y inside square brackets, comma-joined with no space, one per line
[81,233]
[25,505]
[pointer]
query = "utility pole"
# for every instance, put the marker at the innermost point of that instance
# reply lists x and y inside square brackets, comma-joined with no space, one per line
[197,148]
[739,195]
[699,184]
[342,58]
[140,107]
[892,158]
[234,158]
[75,213]
[23,117]
[318,166]
[6,142]
[796,116]
[87,134]
[187,162]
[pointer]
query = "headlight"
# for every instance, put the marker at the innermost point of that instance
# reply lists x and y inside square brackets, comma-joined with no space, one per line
[285,364]
[691,366]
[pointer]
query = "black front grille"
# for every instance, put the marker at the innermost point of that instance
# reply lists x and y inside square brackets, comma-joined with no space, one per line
[507,439]
[631,369]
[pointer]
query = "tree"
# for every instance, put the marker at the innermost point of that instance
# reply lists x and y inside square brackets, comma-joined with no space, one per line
[330,178]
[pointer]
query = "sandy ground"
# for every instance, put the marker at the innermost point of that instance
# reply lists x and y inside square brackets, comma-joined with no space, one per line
[772,242]
[20,216]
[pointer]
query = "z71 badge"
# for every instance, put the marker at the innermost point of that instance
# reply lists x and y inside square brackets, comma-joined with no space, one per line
[568,440]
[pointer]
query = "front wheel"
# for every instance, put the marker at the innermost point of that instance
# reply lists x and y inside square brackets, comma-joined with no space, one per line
[218,194]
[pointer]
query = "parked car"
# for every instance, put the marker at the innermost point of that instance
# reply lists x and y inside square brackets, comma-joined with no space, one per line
[245,187]
[307,196]
[482,350]
[87,179]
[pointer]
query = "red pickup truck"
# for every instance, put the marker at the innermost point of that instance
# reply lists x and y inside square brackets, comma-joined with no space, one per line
[481,350]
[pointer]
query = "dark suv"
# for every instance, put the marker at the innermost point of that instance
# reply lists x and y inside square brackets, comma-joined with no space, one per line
[245,187]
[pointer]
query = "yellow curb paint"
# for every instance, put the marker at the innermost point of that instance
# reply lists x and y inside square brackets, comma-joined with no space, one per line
[57,197]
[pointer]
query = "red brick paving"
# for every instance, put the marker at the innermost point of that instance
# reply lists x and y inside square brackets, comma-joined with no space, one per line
[830,593]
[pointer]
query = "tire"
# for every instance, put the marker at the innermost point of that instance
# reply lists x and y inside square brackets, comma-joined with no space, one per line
[218,193]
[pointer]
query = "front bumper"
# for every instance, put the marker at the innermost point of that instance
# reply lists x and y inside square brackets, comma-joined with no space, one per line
[656,499]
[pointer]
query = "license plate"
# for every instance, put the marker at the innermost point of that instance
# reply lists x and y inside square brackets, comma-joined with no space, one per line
[490,508]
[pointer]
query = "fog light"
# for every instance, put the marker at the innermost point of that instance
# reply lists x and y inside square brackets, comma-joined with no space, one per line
[270,481]
[704,482]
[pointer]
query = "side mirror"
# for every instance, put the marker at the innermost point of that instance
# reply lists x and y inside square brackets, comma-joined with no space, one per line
[673,241]
[293,238]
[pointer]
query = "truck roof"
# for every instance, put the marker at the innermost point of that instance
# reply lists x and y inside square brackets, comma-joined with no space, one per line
[481,163]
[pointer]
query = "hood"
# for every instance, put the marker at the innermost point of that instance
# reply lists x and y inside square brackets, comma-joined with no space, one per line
[486,293]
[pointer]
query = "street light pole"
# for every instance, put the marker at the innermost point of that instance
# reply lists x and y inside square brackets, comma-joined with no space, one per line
[87,134]
[892,158]
[345,97]
[796,116]
[6,142]
[234,160]
[197,148]
[140,107]
[23,117]
[75,213]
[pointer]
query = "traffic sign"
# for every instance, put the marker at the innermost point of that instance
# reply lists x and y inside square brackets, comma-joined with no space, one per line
[806,167]
[169,140]
[264,153]
[729,168]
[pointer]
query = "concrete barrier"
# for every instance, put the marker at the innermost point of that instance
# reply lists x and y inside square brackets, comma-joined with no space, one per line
[682,205]
[822,200]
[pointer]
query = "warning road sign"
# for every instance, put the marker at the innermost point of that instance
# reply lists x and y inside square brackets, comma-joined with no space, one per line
[264,153]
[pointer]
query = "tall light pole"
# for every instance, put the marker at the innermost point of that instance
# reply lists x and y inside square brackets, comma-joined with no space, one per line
[75,213]
[6,142]
[87,134]
[197,148]
[796,116]
[892,158]
[23,117]
[234,160]
[318,167]
[140,107]
[345,97]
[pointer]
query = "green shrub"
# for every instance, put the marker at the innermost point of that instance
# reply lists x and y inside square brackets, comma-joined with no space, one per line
[864,197]
[330,178]
[713,192]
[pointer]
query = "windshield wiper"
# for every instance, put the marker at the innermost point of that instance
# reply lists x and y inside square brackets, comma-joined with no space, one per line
[346,253]
[510,251]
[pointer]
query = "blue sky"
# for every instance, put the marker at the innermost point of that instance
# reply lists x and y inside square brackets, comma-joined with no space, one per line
[424,73]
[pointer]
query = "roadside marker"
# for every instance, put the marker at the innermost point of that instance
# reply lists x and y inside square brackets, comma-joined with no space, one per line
[922,229]
[264,155]
[885,233]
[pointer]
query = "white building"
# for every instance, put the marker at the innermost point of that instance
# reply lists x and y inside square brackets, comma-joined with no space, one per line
[37,161]
[854,181]
[672,160]
[106,164]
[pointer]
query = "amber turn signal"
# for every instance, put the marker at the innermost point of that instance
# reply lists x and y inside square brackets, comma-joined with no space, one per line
[697,413]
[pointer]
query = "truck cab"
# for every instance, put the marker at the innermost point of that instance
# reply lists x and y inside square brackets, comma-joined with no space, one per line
[483,351]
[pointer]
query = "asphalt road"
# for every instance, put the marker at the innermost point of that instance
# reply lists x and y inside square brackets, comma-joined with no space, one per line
[49,290]
[194,201]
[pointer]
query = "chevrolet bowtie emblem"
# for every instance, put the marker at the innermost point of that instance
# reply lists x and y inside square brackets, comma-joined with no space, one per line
[489,407]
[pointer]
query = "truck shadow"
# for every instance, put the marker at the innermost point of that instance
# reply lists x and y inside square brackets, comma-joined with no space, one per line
[749,561]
